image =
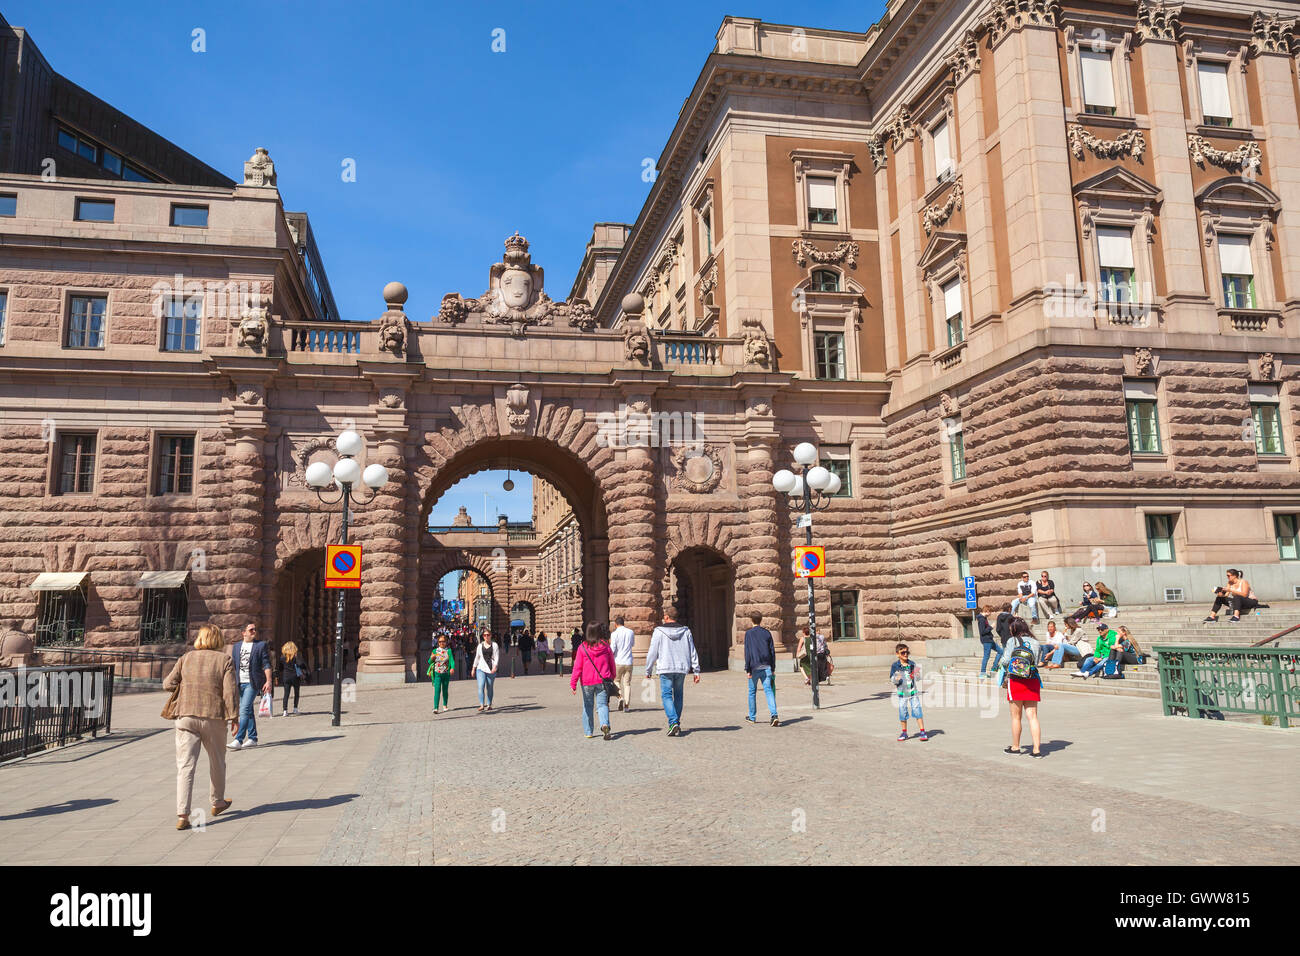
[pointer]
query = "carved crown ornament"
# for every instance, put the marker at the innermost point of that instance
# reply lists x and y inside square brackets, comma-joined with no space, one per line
[899,130]
[1272,34]
[965,56]
[1158,20]
[302,454]
[259,170]
[1007,16]
[938,215]
[515,297]
[1129,143]
[698,470]
[1245,157]
[846,252]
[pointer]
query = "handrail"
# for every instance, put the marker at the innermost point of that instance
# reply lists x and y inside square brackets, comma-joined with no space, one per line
[1278,636]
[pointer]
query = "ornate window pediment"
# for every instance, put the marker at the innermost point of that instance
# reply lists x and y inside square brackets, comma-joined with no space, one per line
[941,247]
[1117,219]
[1117,183]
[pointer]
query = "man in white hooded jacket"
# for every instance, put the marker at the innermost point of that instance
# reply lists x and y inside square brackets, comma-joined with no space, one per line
[673,649]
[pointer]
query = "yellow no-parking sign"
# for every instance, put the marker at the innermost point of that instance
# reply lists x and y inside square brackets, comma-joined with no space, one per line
[343,566]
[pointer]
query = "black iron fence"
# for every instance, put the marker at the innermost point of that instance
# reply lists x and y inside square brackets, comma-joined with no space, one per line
[46,707]
[132,669]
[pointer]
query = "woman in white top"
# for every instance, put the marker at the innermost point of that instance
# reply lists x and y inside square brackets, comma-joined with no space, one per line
[487,658]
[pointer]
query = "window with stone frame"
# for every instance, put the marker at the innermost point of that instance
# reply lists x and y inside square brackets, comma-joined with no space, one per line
[1142,413]
[4,313]
[182,318]
[1238,219]
[75,474]
[1236,272]
[821,180]
[1117,211]
[1266,418]
[1214,92]
[175,468]
[844,616]
[164,616]
[86,320]
[955,439]
[1160,538]
[839,461]
[1117,271]
[941,152]
[953,312]
[829,355]
[825,280]
[1288,543]
[1098,72]
[963,559]
[61,618]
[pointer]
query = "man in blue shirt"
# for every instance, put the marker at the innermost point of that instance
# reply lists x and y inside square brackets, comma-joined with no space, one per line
[760,665]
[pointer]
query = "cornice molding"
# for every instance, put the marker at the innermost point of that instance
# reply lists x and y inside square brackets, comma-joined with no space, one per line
[1158,20]
[1008,16]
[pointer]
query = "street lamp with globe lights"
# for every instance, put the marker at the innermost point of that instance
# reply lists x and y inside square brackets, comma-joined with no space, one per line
[333,485]
[810,489]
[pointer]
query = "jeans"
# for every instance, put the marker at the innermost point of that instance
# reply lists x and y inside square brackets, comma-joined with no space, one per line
[247,720]
[990,648]
[1061,651]
[594,694]
[486,684]
[762,675]
[908,705]
[1092,665]
[1031,601]
[670,690]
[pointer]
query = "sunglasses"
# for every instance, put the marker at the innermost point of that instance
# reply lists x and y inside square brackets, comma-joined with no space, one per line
[902,653]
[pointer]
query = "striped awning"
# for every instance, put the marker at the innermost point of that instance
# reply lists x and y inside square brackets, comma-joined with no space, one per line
[59,580]
[164,579]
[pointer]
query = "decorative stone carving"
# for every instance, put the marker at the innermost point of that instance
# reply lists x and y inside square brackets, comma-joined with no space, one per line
[948,405]
[699,470]
[579,313]
[1267,366]
[759,406]
[965,57]
[899,130]
[636,343]
[1270,33]
[846,252]
[1158,20]
[250,395]
[757,349]
[392,398]
[709,282]
[936,215]
[1128,143]
[302,455]
[18,650]
[1244,157]
[253,328]
[462,519]
[1007,16]
[517,407]
[259,170]
[392,332]
[1144,361]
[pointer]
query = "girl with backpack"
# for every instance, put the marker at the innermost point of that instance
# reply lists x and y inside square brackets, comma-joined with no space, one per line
[1024,687]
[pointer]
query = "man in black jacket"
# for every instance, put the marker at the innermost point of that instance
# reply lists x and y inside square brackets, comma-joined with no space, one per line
[760,665]
[251,661]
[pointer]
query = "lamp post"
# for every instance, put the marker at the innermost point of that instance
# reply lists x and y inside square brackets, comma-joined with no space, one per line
[340,481]
[809,490]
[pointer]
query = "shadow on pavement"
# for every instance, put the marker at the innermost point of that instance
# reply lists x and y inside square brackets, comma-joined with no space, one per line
[68,806]
[294,742]
[313,804]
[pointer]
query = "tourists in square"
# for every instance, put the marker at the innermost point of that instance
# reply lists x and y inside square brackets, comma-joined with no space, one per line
[1126,649]
[672,652]
[905,675]
[442,664]
[253,669]
[525,650]
[1096,662]
[822,655]
[291,675]
[204,703]
[593,669]
[1108,599]
[760,665]
[1236,594]
[1026,593]
[1048,601]
[1024,688]
[621,642]
[487,658]
[991,646]
[542,651]
[558,648]
[1056,646]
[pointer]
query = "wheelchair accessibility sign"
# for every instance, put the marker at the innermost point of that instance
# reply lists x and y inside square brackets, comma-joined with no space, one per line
[810,561]
[343,566]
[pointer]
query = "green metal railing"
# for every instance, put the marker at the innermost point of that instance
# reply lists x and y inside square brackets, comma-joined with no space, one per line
[1214,681]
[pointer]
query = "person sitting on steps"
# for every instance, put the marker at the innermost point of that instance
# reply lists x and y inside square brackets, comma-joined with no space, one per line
[1237,594]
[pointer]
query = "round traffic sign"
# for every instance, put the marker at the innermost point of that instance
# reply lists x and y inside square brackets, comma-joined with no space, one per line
[344,562]
[810,561]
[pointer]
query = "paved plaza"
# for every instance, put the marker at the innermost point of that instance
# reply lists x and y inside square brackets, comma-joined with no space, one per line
[396,785]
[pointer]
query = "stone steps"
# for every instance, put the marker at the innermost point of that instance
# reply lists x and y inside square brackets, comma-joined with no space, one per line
[1140,680]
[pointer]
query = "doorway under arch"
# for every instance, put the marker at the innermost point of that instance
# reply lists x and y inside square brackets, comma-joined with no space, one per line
[306,613]
[703,587]
[525,614]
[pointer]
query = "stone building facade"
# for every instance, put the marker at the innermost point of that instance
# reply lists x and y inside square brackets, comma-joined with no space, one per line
[1032,318]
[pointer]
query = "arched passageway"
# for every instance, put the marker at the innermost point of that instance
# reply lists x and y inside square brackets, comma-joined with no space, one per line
[306,613]
[703,592]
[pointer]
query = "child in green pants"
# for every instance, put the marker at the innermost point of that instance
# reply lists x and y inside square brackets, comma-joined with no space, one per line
[441,666]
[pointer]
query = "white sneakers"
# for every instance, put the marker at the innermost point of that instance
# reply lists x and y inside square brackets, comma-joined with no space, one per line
[250,742]
[233,745]
[295,711]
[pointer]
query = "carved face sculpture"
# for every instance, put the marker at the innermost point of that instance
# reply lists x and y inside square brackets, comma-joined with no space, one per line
[516,288]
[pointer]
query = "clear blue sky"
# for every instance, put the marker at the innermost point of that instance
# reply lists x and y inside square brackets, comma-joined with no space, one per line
[455,146]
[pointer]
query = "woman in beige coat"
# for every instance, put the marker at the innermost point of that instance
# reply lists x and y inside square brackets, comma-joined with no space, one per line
[204,701]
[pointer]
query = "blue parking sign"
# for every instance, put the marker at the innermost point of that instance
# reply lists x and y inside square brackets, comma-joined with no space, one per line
[971,602]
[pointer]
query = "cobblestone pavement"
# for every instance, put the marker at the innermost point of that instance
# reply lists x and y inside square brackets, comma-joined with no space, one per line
[1120,785]
[310,793]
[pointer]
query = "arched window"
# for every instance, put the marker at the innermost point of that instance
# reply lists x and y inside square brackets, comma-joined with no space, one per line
[825,280]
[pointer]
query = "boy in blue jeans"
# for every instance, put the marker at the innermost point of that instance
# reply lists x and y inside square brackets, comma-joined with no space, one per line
[906,676]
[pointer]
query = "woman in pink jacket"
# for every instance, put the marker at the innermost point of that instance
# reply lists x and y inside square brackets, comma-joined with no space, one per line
[593,664]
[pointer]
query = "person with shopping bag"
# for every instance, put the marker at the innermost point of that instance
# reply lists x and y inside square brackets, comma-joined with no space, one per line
[250,660]
[594,668]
